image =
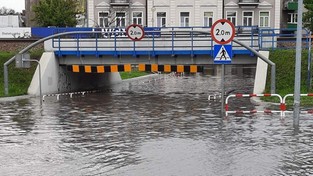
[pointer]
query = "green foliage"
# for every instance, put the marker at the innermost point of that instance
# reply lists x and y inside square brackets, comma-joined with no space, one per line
[59,13]
[308,15]
[285,73]
[19,78]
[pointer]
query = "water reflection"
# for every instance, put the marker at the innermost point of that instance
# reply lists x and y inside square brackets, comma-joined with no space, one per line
[161,126]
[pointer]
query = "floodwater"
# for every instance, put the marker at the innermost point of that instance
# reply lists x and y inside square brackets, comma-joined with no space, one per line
[161,126]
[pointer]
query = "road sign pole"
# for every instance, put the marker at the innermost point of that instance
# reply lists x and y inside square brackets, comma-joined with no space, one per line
[222,32]
[223,90]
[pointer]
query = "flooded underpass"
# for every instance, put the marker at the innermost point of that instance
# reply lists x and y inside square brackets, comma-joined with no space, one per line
[163,125]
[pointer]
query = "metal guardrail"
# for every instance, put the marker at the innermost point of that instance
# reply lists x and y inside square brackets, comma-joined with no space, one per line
[282,108]
[284,38]
[227,111]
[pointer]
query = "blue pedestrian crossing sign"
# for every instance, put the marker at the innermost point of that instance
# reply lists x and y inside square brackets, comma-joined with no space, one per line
[222,54]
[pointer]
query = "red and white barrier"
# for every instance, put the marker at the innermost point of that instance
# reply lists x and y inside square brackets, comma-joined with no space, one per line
[227,111]
[284,106]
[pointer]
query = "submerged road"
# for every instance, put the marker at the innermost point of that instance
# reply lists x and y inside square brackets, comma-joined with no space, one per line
[160,126]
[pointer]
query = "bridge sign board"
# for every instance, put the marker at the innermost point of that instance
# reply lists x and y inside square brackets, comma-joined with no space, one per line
[135,32]
[223,31]
[222,54]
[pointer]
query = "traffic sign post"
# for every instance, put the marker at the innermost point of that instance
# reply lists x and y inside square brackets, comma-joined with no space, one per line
[135,32]
[222,32]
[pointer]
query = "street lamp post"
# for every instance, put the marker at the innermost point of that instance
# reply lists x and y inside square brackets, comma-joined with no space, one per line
[297,85]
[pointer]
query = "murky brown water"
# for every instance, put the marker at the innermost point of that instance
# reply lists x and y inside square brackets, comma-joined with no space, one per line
[161,126]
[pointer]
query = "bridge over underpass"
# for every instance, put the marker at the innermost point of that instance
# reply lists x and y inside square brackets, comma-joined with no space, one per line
[175,46]
[72,61]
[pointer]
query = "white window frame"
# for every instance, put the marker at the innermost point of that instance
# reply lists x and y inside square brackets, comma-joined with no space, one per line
[233,17]
[292,18]
[264,19]
[208,20]
[120,20]
[183,19]
[103,19]
[136,19]
[160,20]
[252,18]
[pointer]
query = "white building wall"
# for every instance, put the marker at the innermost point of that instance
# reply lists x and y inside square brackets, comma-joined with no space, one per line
[277,14]
[196,9]
[91,13]
[96,6]
[173,8]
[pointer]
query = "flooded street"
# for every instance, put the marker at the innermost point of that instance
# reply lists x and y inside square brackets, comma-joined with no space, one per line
[161,126]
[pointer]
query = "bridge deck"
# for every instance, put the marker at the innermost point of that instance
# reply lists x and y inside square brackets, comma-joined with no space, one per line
[174,42]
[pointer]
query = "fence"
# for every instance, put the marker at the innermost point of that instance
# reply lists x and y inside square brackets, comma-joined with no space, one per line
[282,110]
[284,106]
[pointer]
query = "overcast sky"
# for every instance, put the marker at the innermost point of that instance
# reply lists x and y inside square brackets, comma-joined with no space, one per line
[17,5]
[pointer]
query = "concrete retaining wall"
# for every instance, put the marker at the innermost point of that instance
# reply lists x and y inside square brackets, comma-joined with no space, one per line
[56,79]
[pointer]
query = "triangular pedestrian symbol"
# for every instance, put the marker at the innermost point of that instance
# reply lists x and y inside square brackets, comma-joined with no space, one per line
[223,54]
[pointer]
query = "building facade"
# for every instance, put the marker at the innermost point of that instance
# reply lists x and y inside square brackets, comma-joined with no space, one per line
[183,13]
[261,13]
[116,13]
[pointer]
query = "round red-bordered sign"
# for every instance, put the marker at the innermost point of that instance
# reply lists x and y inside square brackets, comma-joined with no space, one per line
[135,32]
[223,31]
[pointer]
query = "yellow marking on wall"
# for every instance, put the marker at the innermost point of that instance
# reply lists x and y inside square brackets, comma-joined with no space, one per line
[154,67]
[142,67]
[127,68]
[114,68]
[100,69]
[87,68]
[75,68]
[193,69]
[180,68]
[167,68]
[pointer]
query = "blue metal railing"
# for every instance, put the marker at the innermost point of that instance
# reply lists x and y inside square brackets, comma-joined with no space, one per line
[281,38]
[157,41]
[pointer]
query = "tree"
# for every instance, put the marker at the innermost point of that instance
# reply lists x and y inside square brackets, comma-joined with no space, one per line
[6,11]
[60,13]
[308,15]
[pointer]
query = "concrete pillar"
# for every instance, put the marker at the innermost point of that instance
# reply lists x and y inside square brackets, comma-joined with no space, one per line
[261,74]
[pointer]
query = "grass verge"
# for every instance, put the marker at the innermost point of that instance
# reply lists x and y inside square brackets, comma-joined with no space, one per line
[19,78]
[285,75]
[132,74]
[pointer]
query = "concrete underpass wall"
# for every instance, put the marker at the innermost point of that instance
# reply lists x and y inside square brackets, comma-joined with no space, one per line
[49,75]
[261,74]
[73,82]
[56,79]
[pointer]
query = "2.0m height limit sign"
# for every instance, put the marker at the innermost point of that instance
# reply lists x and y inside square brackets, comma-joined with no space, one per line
[223,31]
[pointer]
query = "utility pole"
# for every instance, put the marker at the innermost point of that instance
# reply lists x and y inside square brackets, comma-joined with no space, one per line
[296,110]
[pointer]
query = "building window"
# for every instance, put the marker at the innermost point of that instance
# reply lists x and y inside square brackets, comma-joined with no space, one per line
[137,18]
[247,19]
[161,19]
[292,17]
[264,19]
[120,20]
[208,19]
[103,19]
[184,19]
[232,17]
